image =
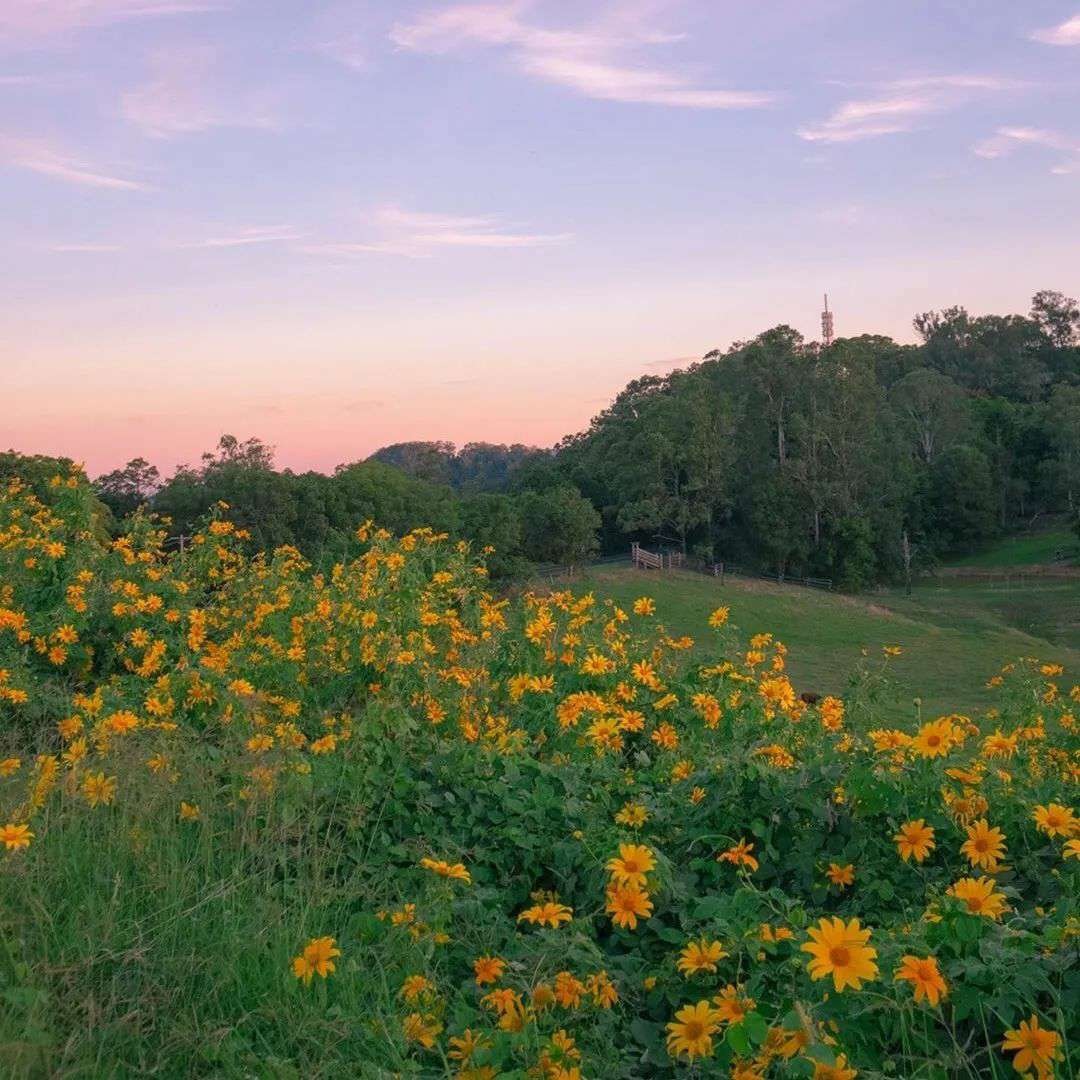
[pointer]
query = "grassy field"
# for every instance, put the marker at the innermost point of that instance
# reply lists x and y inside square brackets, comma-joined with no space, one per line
[1025,550]
[953,637]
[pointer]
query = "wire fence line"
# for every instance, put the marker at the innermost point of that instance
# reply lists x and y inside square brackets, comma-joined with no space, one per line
[719,570]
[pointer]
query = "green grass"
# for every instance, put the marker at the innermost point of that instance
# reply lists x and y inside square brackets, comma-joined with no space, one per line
[953,638]
[1026,550]
[1048,610]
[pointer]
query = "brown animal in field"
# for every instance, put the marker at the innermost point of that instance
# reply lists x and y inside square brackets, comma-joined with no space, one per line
[810,698]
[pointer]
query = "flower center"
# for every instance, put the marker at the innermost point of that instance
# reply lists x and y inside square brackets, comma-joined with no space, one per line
[840,956]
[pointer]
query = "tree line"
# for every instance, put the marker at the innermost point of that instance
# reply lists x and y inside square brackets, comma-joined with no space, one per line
[839,461]
[853,461]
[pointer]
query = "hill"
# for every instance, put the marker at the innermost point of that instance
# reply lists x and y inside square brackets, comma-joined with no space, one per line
[953,637]
[1048,546]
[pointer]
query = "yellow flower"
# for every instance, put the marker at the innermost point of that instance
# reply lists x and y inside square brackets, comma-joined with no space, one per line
[316,959]
[568,990]
[840,949]
[415,986]
[840,1070]
[15,836]
[915,840]
[488,969]
[421,1029]
[841,876]
[626,903]
[503,1000]
[700,956]
[99,789]
[633,815]
[463,1046]
[935,739]
[190,811]
[643,605]
[1056,820]
[547,914]
[719,617]
[691,1031]
[979,895]
[739,855]
[984,846]
[1036,1048]
[730,1006]
[454,871]
[923,974]
[633,863]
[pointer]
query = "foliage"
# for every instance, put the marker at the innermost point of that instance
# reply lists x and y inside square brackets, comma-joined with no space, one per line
[266,820]
[811,460]
[475,467]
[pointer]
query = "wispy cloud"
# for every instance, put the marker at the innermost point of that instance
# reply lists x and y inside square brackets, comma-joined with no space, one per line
[899,106]
[186,94]
[84,249]
[418,235]
[44,158]
[1007,139]
[1066,33]
[26,20]
[269,234]
[597,60]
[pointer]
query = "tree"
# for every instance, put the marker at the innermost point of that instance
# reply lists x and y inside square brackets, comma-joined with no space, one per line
[962,502]
[1063,416]
[1058,316]
[558,526]
[930,408]
[775,364]
[431,461]
[493,521]
[124,490]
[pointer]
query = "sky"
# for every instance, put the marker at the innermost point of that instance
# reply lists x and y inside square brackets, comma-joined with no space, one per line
[336,224]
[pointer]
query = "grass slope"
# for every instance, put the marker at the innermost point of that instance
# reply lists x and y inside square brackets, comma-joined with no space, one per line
[952,642]
[1026,550]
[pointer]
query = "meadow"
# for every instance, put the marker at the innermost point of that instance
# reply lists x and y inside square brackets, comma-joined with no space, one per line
[955,633]
[262,821]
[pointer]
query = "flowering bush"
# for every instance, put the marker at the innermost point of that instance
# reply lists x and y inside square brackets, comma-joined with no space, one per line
[262,818]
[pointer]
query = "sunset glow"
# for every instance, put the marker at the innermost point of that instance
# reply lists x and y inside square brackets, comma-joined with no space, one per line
[336,226]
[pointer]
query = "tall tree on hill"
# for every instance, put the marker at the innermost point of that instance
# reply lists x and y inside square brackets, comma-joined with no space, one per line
[124,490]
[930,409]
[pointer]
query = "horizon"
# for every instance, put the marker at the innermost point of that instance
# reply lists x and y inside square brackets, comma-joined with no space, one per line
[337,228]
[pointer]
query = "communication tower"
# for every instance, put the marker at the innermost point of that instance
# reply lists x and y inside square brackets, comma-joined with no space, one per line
[826,324]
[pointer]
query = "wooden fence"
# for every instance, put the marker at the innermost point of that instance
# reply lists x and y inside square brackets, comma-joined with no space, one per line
[651,560]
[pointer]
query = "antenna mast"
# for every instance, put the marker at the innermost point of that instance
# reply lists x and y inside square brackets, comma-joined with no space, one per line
[826,324]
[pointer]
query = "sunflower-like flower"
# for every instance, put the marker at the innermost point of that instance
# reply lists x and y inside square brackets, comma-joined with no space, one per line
[980,896]
[923,974]
[985,846]
[1036,1048]
[840,949]
[691,1031]
[915,840]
